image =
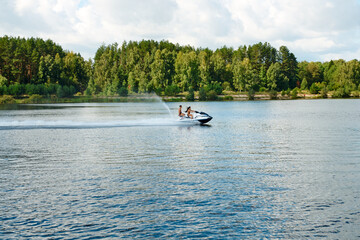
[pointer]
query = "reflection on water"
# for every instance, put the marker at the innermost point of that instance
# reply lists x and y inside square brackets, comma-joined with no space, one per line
[275,169]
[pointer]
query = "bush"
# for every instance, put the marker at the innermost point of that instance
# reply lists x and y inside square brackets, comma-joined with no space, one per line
[72,91]
[356,94]
[294,93]
[342,92]
[3,90]
[172,90]
[7,99]
[211,95]
[251,94]
[314,89]
[123,92]
[54,98]
[288,92]
[228,98]
[262,89]
[3,81]
[324,92]
[256,87]
[16,90]
[40,89]
[168,91]
[217,88]
[60,92]
[34,99]
[66,90]
[191,95]
[51,88]
[88,92]
[273,94]
[226,86]
[304,84]
[29,89]
[202,94]
[158,91]
[214,86]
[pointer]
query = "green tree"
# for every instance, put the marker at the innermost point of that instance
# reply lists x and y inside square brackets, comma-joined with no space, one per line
[172,90]
[304,84]
[74,71]
[45,67]
[211,95]
[324,92]
[262,76]
[60,93]
[273,94]
[133,82]
[313,72]
[289,67]
[3,81]
[123,92]
[276,79]
[186,70]
[191,95]
[314,89]
[251,94]
[294,93]
[221,65]
[202,94]
[345,76]
[158,71]
[204,67]
[245,76]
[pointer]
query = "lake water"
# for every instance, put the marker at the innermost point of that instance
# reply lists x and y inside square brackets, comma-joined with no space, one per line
[263,169]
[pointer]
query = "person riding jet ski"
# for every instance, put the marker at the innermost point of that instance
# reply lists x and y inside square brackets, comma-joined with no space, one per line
[180,113]
[189,111]
[200,117]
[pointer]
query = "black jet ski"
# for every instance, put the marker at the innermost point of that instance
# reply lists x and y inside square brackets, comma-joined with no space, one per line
[200,117]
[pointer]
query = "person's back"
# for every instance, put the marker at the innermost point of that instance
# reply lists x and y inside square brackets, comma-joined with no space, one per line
[180,114]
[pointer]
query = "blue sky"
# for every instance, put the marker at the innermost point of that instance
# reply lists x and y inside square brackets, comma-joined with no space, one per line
[314,30]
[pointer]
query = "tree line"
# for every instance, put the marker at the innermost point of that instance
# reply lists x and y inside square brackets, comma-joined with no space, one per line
[164,67]
[35,66]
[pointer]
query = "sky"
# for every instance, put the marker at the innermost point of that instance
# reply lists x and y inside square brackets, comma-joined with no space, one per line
[314,30]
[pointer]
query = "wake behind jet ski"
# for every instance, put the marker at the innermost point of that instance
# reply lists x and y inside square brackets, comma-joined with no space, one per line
[200,117]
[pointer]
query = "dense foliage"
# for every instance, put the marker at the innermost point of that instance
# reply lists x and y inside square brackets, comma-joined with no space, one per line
[33,61]
[149,66]
[339,76]
[34,66]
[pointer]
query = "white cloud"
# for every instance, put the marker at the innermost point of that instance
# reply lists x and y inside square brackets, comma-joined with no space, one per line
[21,6]
[313,30]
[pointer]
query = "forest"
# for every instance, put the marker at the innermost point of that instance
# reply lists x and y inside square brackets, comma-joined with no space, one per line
[35,66]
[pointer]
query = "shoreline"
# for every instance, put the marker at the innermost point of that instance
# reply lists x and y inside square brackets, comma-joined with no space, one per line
[260,96]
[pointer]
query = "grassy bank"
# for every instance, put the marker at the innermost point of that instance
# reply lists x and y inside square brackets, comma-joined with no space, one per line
[226,96]
[37,99]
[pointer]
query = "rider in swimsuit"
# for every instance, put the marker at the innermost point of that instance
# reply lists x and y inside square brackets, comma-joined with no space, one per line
[180,113]
[188,111]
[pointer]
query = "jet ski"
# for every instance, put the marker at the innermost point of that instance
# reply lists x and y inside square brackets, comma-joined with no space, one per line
[200,117]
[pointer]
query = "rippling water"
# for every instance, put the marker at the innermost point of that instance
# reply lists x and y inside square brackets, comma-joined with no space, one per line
[264,169]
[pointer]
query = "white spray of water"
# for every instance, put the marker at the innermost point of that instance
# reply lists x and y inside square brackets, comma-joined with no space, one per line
[159,99]
[167,107]
[30,124]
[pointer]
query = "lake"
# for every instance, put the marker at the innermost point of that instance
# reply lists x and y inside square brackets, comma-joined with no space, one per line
[261,169]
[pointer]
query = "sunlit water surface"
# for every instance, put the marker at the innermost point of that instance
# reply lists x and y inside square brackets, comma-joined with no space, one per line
[267,169]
